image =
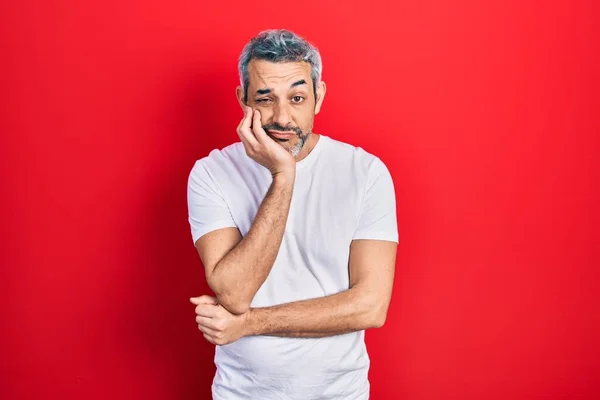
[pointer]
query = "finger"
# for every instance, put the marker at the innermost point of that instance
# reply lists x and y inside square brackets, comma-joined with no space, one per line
[245,130]
[206,321]
[247,120]
[207,310]
[245,142]
[257,128]
[243,120]
[204,300]
[209,331]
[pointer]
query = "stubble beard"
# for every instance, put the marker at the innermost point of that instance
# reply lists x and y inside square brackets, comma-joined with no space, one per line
[302,137]
[297,148]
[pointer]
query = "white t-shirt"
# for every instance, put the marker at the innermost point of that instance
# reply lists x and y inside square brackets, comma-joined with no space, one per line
[341,193]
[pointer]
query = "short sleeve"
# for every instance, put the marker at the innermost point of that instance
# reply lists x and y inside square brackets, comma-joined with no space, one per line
[207,208]
[377,218]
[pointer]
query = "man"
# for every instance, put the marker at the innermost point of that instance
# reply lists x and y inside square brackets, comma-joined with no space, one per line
[297,234]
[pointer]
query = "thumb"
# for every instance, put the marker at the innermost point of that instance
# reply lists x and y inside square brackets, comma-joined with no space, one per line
[203,300]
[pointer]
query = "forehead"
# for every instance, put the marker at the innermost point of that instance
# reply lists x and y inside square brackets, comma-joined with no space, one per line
[266,74]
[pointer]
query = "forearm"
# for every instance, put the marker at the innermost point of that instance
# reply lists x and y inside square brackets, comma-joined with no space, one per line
[344,312]
[239,274]
[310,335]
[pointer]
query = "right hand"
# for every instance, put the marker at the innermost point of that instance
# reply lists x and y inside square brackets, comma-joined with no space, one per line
[261,148]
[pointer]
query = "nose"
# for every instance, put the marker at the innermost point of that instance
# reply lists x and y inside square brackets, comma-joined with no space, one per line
[281,114]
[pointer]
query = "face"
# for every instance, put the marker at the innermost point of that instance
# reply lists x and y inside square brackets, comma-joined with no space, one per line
[283,93]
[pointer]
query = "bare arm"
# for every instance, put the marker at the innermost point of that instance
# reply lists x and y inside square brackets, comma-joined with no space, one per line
[364,305]
[235,269]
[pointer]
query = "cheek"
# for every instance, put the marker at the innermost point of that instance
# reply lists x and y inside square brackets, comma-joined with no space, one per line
[305,119]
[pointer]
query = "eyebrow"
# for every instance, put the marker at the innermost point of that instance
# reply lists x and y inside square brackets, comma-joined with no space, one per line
[267,91]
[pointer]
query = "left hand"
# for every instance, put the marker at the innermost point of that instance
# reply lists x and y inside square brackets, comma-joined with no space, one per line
[218,325]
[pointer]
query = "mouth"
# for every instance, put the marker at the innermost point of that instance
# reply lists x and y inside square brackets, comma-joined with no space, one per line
[282,136]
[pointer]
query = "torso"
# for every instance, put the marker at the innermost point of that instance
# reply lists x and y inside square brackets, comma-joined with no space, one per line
[312,262]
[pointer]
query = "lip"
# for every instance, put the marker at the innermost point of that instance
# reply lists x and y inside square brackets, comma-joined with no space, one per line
[282,135]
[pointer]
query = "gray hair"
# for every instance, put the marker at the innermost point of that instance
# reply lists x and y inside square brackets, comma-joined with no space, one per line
[279,45]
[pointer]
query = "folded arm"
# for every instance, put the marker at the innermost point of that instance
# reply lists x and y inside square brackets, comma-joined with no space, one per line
[364,305]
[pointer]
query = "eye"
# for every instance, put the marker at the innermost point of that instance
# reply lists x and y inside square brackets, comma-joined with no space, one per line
[263,100]
[297,99]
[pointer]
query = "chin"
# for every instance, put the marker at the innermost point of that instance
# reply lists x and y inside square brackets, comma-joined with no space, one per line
[294,149]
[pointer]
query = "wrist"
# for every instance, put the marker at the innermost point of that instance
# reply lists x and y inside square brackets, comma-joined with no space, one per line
[249,323]
[286,177]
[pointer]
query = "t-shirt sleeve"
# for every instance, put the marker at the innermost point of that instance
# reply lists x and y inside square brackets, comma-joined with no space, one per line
[207,208]
[377,219]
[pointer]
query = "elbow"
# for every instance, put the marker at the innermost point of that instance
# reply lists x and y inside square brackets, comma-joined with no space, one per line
[233,305]
[377,314]
[372,306]
[379,320]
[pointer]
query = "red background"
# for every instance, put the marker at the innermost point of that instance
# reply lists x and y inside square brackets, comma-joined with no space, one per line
[486,114]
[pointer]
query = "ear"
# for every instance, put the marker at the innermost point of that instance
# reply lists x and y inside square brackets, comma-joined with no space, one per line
[321,89]
[239,93]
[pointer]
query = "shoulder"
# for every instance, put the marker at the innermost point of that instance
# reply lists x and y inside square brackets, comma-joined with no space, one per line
[360,160]
[220,160]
